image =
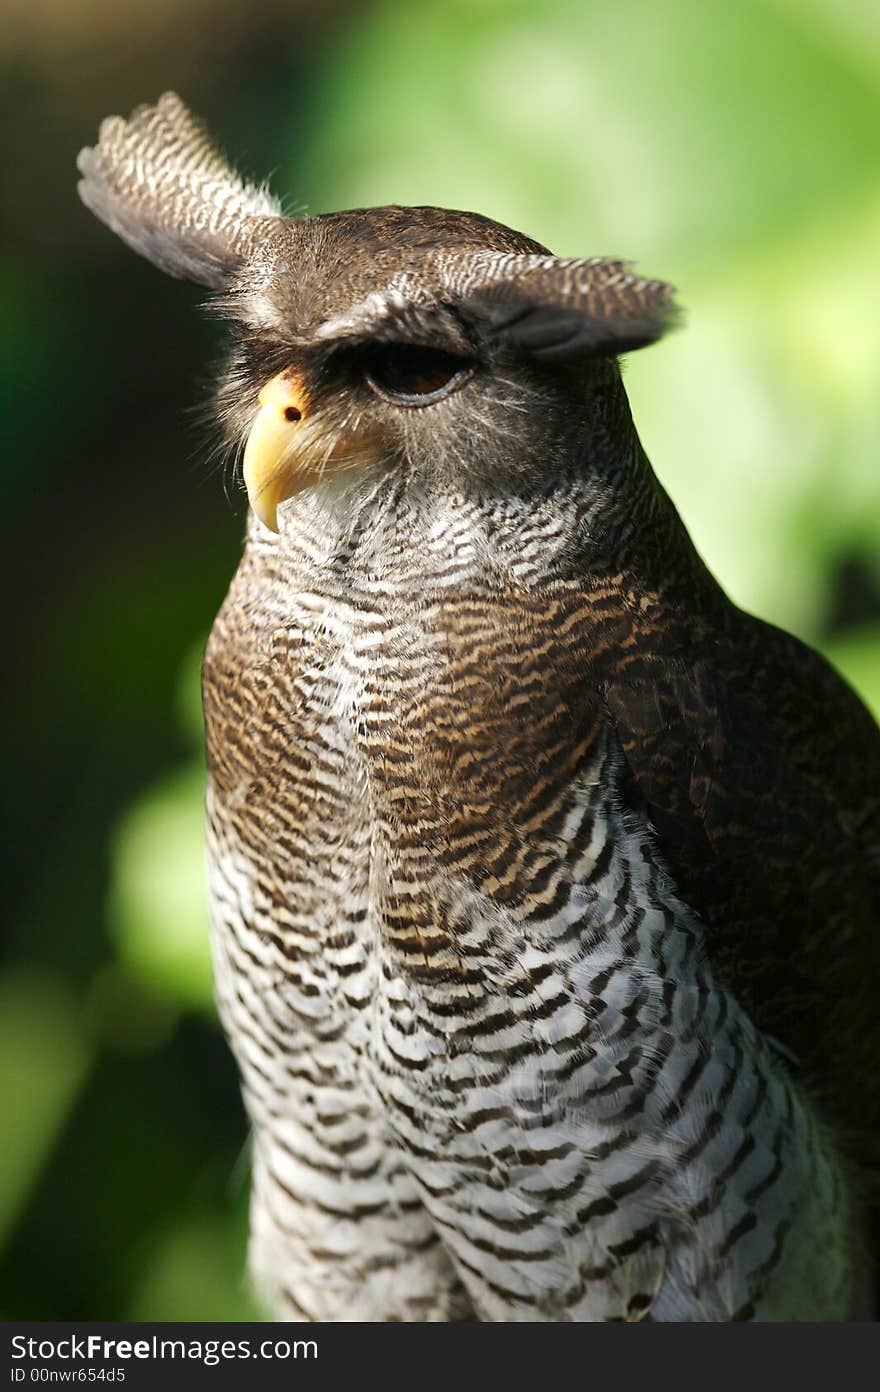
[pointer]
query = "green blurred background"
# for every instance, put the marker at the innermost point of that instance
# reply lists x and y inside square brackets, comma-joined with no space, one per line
[734,149]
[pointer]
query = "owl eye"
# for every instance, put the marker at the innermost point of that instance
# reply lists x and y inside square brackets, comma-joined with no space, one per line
[412,376]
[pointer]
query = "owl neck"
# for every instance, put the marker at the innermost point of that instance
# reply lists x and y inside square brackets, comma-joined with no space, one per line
[403,538]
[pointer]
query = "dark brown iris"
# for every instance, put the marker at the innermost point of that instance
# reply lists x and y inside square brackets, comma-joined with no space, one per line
[412,376]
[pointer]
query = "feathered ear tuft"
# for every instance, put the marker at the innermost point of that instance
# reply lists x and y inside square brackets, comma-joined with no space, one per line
[557,310]
[160,183]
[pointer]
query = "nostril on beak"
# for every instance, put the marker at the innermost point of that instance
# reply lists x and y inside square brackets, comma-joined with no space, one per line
[292,414]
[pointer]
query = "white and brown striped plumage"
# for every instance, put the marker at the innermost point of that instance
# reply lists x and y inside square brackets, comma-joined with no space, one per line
[543,880]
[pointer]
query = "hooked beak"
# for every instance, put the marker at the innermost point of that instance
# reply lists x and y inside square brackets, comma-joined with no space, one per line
[274,468]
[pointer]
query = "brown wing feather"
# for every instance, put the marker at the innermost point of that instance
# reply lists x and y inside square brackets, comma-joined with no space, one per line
[760,770]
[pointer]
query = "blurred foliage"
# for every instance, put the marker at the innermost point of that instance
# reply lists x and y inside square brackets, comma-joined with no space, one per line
[157,906]
[731,148]
[43,1061]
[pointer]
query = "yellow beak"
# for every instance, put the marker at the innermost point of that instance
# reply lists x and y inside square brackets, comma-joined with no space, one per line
[272,470]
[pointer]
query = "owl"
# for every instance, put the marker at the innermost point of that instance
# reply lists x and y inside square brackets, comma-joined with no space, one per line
[544,881]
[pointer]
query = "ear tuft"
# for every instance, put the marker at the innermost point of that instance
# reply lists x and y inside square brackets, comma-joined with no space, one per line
[558,310]
[160,183]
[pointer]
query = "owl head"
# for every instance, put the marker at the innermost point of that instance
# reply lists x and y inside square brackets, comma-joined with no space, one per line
[400,343]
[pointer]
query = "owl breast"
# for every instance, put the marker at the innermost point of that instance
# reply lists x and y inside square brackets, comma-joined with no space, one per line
[489,1070]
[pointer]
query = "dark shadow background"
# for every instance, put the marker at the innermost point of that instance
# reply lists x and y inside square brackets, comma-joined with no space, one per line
[743,163]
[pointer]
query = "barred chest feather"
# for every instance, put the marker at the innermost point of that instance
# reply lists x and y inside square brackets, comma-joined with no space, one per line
[489,1070]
